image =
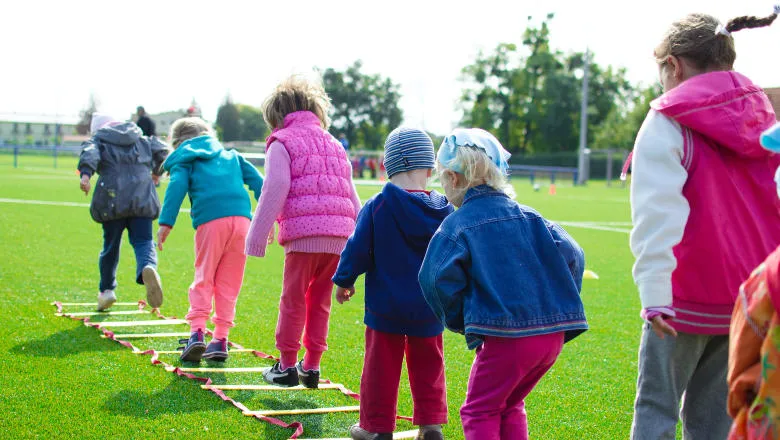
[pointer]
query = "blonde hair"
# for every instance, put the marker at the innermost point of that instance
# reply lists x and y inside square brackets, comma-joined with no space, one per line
[477,169]
[294,94]
[696,38]
[188,128]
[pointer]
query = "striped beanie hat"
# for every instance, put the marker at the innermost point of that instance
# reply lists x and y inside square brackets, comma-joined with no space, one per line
[408,149]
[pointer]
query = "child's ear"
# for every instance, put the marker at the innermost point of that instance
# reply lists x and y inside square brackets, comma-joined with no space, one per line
[430,173]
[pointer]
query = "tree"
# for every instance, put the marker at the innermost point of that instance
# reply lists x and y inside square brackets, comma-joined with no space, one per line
[228,121]
[621,126]
[253,127]
[365,107]
[528,95]
[85,116]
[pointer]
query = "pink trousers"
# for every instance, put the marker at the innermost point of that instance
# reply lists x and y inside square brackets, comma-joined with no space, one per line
[219,272]
[504,372]
[304,308]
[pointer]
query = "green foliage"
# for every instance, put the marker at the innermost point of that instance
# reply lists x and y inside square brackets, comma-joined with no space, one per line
[85,116]
[228,121]
[365,107]
[620,127]
[529,95]
[253,127]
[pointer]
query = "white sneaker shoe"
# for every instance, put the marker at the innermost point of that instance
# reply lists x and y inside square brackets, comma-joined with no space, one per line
[154,293]
[106,299]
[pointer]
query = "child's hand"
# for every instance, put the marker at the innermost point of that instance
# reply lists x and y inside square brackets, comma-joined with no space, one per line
[661,327]
[344,294]
[85,185]
[162,235]
[271,236]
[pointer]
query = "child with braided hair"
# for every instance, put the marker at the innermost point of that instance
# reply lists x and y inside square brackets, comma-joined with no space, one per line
[697,161]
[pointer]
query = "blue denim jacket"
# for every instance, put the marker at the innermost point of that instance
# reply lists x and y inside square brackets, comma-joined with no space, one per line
[497,268]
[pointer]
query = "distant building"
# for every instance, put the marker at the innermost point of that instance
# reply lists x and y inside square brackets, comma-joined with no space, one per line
[163,121]
[774,96]
[37,130]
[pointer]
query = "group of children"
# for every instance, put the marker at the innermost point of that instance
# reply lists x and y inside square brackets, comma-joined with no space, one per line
[493,270]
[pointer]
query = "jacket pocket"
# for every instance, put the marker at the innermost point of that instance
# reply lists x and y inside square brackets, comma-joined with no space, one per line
[104,200]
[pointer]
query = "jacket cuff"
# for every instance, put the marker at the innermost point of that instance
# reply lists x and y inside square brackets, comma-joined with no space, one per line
[255,249]
[166,224]
[655,291]
[343,282]
[650,313]
[85,172]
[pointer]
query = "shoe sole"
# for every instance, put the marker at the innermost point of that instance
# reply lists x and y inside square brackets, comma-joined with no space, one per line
[216,356]
[106,305]
[193,353]
[154,293]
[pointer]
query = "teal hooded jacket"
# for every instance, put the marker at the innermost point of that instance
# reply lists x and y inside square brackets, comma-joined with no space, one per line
[214,178]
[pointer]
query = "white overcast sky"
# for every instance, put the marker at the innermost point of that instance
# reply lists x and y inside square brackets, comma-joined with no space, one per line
[162,53]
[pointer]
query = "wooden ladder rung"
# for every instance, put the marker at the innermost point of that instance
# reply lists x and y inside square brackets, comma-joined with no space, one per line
[322,386]
[232,350]
[396,435]
[148,335]
[217,370]
[122,312]
[286,412]
[94,304]
[151,323]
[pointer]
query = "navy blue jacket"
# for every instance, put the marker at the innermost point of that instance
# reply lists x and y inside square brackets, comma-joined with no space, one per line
[388,245]
[497,268]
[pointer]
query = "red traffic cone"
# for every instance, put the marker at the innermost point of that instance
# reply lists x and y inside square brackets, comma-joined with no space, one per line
[552,189]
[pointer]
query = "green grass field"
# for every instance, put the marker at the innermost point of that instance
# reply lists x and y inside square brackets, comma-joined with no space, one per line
[60,379]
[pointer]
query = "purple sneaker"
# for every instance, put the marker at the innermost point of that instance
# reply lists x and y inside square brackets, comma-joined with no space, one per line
[195,347]
[217,350]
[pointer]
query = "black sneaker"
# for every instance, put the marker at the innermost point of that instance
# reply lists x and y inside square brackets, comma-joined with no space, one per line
[284,378]
[217,350]
[195,347]
[309,378]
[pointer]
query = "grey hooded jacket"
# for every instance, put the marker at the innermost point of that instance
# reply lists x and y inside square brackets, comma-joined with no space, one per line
[125,161]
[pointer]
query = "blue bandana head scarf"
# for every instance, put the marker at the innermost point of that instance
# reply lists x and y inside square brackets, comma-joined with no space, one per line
[472,137]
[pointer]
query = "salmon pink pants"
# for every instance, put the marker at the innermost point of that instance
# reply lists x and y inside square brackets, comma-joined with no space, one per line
[219,272]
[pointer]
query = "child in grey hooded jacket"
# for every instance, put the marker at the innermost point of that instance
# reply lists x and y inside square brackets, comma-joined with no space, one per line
[128,164]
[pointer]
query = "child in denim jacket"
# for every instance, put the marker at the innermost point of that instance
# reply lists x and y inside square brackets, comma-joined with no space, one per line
[503,276]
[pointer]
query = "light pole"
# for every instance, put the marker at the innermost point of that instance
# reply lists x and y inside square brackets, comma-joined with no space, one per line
[582,177]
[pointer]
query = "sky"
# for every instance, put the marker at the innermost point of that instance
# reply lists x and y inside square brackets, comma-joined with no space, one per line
[162,54]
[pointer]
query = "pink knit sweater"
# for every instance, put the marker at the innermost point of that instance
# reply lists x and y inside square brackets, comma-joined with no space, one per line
[276,187]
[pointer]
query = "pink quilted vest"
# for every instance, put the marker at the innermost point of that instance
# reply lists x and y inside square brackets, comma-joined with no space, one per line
[734,218]
[318,204]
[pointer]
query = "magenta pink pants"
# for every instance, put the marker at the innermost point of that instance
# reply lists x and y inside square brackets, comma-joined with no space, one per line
[504,372]
[219,272]
[304,308]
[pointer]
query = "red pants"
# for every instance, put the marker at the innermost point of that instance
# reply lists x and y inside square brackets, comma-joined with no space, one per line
[305,304]
[504,372]
[382,375]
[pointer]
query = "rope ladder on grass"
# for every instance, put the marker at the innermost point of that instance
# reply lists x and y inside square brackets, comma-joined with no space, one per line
[267,415]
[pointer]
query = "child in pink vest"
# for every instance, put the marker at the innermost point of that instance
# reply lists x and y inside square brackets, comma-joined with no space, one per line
[309,192]
[698,167]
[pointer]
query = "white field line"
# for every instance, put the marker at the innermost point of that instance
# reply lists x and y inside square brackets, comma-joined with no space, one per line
[53,203]
[594,226]
[599,226]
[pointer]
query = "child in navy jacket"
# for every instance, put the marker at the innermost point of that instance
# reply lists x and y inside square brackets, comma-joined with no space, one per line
[389,243]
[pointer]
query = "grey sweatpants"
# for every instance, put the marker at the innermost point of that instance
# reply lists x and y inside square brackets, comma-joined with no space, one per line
[691,368]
